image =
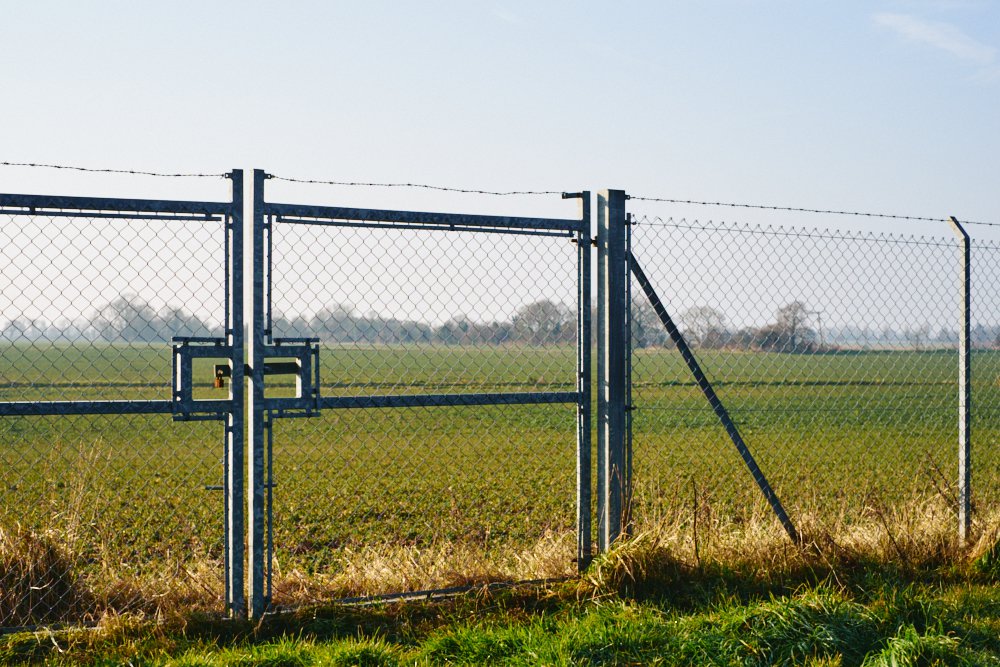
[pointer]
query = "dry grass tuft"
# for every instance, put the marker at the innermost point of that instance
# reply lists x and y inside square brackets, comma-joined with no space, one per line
[668,551]
[390,568]
[985,553]
[171,591]
[39,583]
[42,583]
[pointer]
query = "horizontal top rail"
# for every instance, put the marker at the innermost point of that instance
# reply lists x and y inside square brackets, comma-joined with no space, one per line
[42,408]
[318,214]
[19,204]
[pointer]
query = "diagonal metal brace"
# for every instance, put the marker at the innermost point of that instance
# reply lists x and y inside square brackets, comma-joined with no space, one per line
[713,399]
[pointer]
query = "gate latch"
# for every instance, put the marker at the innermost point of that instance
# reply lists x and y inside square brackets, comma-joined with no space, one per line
[185,350]
[298,357]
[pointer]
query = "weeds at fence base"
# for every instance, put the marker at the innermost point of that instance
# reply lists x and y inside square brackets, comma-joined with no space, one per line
[666,558]
[669,556]
[392,568]
[39,583]
[43,583]
[986,553]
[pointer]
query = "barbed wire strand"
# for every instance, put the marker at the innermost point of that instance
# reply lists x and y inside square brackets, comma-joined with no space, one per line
[132,172]
[795,209]
[423,186]
[441,188]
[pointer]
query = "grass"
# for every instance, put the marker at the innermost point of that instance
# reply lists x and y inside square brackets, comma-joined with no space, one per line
[642,603]
[379,500]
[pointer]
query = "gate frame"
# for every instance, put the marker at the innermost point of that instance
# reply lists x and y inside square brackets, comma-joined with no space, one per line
[262,411]
[230,411]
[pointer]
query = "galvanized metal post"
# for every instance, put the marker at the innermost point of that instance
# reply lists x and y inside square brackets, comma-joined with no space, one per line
[627,446]
[613,359]
[256,530]
[584,472]
[964,385]
[235,426]
[602,346]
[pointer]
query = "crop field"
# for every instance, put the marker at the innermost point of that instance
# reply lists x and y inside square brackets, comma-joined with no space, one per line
[837,434]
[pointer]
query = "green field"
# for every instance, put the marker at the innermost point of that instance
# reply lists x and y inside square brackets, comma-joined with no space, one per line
[836,434]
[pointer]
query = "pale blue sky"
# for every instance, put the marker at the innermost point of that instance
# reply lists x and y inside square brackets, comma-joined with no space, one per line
[889,105]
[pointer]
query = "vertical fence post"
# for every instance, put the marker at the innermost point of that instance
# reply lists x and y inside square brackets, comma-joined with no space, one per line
[613,358]
[964,384]
[602,346]
[235,424]
[627,399]
[255,402]
[584,475]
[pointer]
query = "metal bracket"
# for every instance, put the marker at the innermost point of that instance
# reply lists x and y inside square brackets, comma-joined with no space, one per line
[185,350]
[298,357]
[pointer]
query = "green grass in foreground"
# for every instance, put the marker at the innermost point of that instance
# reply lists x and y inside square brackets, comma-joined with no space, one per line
[865,616]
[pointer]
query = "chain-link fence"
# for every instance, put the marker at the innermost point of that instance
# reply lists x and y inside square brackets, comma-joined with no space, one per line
[834,353]
[108,505]
[418,395]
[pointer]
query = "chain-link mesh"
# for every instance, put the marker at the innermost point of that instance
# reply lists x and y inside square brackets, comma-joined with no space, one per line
[835,354]
[106,512]
[415,312]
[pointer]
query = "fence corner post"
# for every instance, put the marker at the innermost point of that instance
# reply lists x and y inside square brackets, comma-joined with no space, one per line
[964,385]
[254,255]
[614,484]
[236,419]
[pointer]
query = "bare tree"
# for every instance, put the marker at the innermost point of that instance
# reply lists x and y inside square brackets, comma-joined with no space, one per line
[128,319]
[704,326]
[336,323]
[789,332]
[647,330]
[793,318]
[544,322]
[918,336]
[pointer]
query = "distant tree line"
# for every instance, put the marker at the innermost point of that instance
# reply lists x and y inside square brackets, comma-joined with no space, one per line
[705,327]
[794,328]
[543,322]
[129,319]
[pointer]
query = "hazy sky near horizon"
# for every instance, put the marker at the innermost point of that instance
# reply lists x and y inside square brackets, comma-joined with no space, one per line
[887,105]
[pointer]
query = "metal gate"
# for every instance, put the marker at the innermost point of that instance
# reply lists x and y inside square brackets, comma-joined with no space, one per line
[363,397]
[452,414]
[116,314]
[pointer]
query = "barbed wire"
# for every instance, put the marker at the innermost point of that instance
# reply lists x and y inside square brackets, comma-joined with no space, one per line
[132,172]
[796,209]
[499,193]
[440,188]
